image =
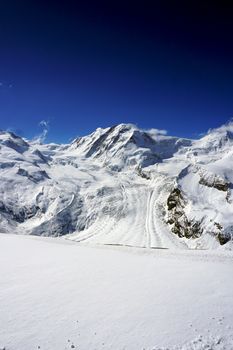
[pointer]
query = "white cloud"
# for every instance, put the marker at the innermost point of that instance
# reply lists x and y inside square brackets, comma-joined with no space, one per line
[44,124]
[156,132]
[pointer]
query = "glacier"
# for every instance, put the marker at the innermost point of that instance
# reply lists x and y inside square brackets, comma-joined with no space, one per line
[121,185]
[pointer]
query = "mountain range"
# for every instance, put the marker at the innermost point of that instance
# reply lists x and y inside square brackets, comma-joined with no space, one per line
[121,185]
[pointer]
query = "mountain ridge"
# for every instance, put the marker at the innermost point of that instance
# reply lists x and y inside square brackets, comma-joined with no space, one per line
[116,186]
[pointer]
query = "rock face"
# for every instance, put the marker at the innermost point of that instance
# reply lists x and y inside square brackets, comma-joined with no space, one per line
[224,238]
[18,213]
[224,235]
[215,182]
[121,185]
[180,225]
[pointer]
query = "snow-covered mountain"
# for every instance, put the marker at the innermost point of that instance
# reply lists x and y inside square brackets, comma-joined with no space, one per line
[125,145]
[121,185]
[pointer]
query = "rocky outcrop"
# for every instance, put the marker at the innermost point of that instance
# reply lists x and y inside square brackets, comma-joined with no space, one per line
[223,238]
[215,182]
[177,219]
[224,235]
[19,213]
[144,174]
[35,176]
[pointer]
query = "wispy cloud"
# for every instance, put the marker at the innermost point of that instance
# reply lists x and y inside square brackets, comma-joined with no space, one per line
[155,132]
[6,85]
[44,124]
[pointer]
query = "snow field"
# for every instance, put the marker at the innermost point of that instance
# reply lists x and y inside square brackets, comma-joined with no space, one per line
[56,294]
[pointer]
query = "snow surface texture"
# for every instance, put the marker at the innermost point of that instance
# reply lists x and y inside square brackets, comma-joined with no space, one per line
[121,186]
[58,295]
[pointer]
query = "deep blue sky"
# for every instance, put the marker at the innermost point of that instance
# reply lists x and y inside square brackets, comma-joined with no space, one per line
[84,64]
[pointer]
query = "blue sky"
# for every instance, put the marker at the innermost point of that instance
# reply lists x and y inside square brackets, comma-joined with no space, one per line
[81,65]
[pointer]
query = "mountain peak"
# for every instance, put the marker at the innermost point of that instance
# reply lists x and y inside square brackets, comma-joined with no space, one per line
[217,139]
[226,128]
[9,139]
[124,145]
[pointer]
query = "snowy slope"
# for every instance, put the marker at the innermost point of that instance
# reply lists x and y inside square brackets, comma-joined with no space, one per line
[123,186]
[56,295]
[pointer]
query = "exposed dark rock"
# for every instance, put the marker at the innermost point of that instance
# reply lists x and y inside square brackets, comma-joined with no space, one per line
[174,199]
[219,227]
[217,183]
[6,165]
[22,172]
[181,226]
[17,213]
[223,237]
[35,176]
[144,174]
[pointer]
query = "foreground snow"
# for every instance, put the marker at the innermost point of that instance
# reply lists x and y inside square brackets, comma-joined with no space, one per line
[56,295]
